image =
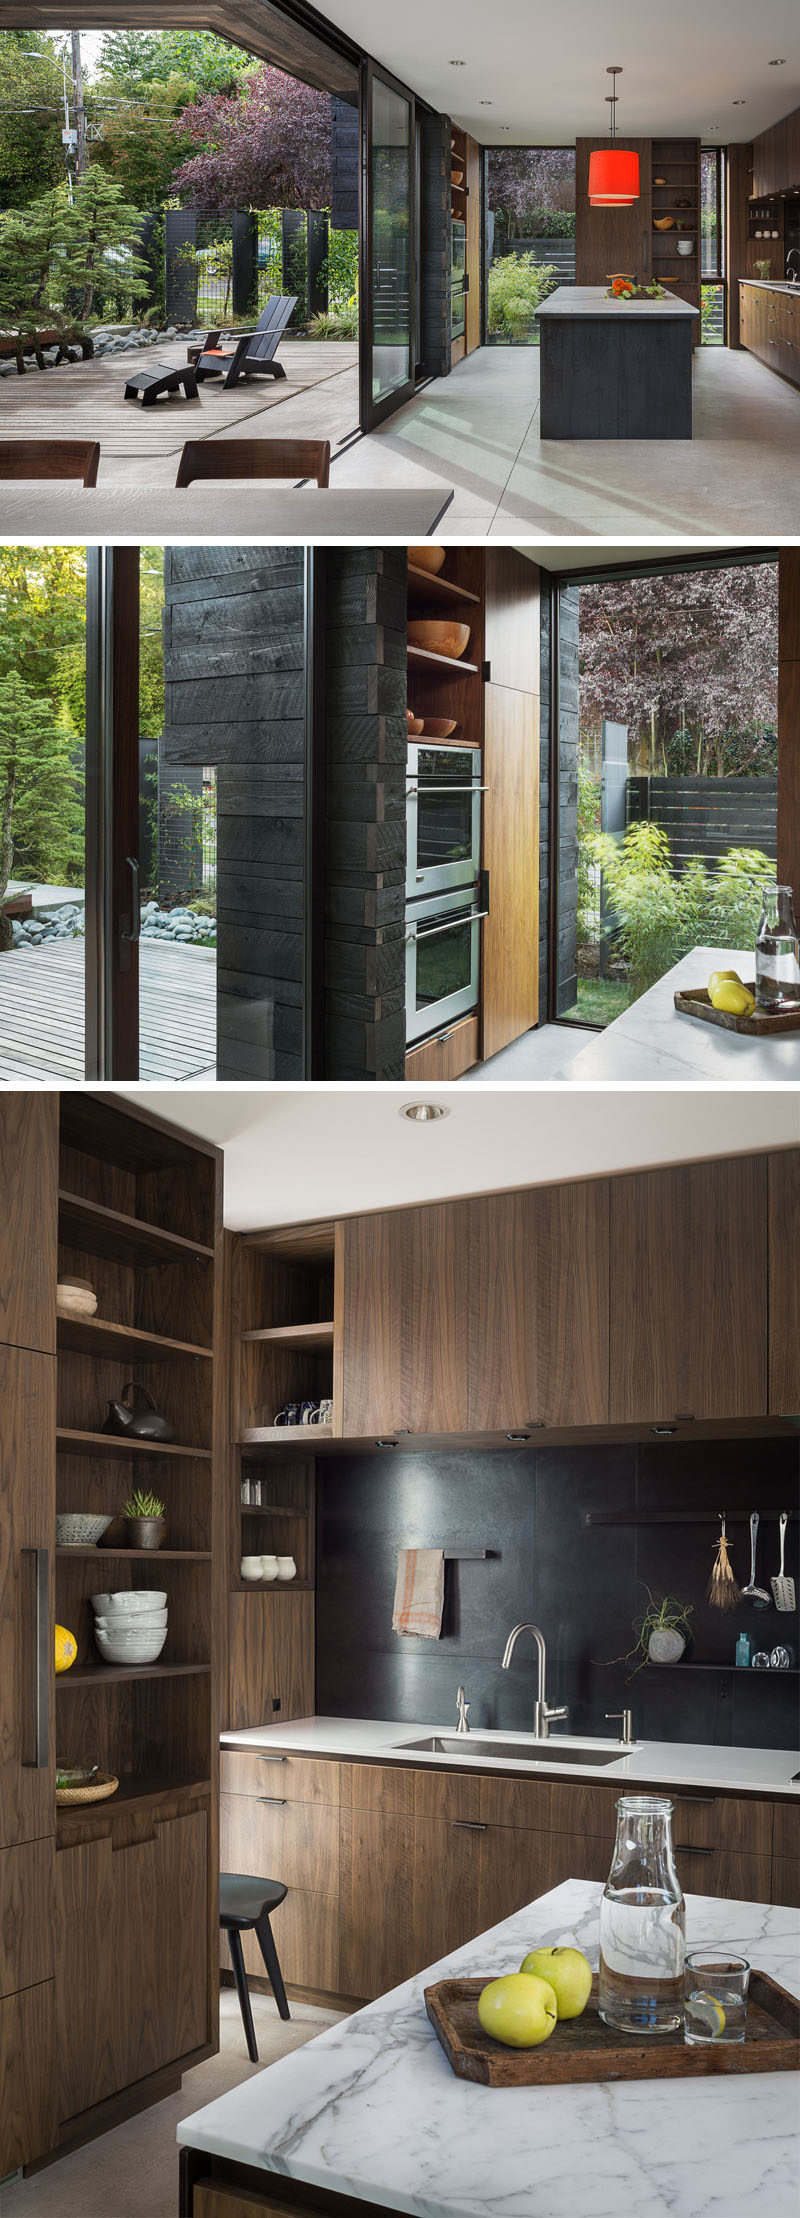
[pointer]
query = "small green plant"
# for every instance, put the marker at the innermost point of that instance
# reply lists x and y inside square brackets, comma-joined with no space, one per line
[140,1504]
[517,283]
[661,915]
[665,1616]
[335,323]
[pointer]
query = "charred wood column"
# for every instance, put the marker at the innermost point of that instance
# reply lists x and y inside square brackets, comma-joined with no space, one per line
[365,829]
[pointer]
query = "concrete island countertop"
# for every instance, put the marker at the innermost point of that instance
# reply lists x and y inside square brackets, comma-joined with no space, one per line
[372,2110]
[765,1771]
[592,300]
[653,1040]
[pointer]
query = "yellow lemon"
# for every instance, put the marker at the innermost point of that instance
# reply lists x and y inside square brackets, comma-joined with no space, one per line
[736,1000]
[519,2011]
[66,1648]
[718,976]
[706,2011]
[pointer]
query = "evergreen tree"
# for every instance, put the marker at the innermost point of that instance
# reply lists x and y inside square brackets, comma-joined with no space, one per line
[40,817]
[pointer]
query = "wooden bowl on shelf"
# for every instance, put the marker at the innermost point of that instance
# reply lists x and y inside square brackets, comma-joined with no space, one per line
[439,636]
[457,178]
[415,725]
[428,558]
[439,727]
[664,223]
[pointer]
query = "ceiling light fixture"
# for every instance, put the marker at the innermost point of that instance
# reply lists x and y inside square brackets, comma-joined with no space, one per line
[482,103]
[613,170]
[457,65]
[424,1112]
[779,63]
[664,1432]
[738,103]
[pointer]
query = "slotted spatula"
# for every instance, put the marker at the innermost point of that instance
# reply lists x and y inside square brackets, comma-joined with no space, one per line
[783,1588]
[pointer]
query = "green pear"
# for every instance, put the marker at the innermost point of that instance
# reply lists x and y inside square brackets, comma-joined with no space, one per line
[567,1971]
[518,2010]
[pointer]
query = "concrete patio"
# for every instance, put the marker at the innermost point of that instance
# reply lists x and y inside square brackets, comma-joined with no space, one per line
[477,431]
[42,1004]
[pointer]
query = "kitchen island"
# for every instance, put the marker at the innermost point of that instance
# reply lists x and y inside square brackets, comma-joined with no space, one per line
[370,2114]
[615,369]
[653,1041]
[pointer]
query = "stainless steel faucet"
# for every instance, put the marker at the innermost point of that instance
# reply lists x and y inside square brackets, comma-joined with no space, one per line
[463,1708]
[793,265]
[543,1715]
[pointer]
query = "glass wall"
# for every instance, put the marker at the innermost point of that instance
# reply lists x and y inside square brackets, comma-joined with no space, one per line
[177,867]
[42,813]
[392,367]
[530,236]
[712,246]
[668,703]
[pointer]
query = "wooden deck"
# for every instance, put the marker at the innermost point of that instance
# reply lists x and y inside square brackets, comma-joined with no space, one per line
[41,1012]
[318,398]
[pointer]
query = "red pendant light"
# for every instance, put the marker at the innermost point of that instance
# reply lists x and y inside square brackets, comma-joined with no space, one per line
[613,170]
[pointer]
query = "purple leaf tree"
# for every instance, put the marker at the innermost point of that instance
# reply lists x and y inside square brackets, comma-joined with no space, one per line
[267,146]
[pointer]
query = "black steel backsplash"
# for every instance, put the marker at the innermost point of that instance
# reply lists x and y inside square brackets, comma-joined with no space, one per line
[581,1584]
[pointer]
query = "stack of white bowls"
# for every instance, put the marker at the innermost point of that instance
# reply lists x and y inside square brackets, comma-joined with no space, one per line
[130,1628]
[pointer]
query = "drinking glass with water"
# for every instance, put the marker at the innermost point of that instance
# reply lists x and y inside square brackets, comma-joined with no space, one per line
[715,1997]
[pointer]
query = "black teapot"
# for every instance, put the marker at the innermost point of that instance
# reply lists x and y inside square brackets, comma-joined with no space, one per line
[138,1423]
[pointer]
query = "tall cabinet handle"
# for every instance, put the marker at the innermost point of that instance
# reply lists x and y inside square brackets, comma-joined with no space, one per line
[42,1659]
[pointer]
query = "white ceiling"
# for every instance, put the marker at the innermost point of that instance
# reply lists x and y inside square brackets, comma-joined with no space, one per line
[574,554]
[543,66]
[296,1153]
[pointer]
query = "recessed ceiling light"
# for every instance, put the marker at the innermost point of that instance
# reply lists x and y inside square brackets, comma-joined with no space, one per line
[712,126]
[779,63]
[738,103]
[424,1112]
[486,103]
[458,65]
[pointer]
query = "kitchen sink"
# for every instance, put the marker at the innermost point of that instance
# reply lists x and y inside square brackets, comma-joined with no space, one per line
[528,1752]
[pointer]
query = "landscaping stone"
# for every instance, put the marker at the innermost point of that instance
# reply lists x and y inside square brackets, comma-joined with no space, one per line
[68,923]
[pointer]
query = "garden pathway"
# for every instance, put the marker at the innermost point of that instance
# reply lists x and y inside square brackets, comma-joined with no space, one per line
[41,1012]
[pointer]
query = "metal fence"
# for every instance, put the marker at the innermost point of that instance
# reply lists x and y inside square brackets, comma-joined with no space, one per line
[706,816]
[225,267]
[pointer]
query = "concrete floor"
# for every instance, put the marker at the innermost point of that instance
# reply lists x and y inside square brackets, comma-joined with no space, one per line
[538,1056]
[476,431]
[133,2171]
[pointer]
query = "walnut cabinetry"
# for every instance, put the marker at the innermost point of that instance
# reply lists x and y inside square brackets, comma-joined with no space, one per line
[279,1818]
[688,1329]
[538,1335]
[404,1338]
[769,326]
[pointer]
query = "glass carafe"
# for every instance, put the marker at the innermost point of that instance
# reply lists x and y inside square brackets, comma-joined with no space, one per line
[777,955]
[642,1922]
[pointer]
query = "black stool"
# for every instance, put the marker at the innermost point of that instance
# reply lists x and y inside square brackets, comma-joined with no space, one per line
[163,379]
[244,1907]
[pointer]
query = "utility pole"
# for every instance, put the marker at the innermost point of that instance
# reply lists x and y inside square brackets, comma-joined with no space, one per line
[80,112]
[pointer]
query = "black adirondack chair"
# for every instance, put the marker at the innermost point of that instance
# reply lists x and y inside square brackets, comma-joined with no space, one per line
[252,353]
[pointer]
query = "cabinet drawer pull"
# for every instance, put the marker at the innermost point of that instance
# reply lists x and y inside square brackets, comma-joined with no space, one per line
[42,1658]
[266,1757]
[709,1800]
[469,1825]
[280,1799]
[686,1848]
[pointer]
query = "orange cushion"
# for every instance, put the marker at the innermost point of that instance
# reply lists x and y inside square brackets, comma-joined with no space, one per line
[223,352]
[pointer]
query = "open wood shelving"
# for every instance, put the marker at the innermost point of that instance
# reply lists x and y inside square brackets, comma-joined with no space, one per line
[72,1441]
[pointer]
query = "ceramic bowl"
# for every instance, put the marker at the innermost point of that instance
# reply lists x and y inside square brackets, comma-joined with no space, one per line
[131,1648]
[428,558]
[685,246]
[75,1297]
[80,1529]
[154,1621]
[129,1603]
[439,636]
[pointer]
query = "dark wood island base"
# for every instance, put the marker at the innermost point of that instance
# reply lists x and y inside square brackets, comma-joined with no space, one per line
[612,369]
[217,2187]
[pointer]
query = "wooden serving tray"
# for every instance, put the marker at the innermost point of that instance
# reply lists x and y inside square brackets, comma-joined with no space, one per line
[759,1026]
[585,2049]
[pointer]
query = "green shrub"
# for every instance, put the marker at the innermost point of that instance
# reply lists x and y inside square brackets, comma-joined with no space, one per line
[517,283]
[661,916]
[340,323]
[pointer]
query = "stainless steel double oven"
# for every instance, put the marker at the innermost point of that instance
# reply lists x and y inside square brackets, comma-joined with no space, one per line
[443,885]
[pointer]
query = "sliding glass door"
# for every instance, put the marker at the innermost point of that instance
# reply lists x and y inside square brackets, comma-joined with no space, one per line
[388,338]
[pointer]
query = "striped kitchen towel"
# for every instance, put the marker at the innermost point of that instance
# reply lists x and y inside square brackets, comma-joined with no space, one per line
[419,1593]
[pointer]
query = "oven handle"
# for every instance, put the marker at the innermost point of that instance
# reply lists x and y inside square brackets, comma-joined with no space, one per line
[475,916]
[416,787]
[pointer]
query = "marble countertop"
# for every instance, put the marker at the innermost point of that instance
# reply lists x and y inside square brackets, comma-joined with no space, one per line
[766,1771]
[652,1040]
[371,2109]
[593,300]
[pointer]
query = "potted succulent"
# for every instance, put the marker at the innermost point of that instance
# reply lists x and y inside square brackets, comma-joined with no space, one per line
[661,1631]
[144,1518]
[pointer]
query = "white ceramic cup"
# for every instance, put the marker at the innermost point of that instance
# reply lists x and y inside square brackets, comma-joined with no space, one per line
[287,1568]
[269,1567]
[250,1567]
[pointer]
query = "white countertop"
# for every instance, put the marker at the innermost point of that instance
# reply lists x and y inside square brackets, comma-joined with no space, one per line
[676,1764]
[593,300]
[371,2109]
[773,285]
[652,1040]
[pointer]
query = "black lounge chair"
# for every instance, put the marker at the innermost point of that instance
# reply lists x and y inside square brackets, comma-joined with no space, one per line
[253,352]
